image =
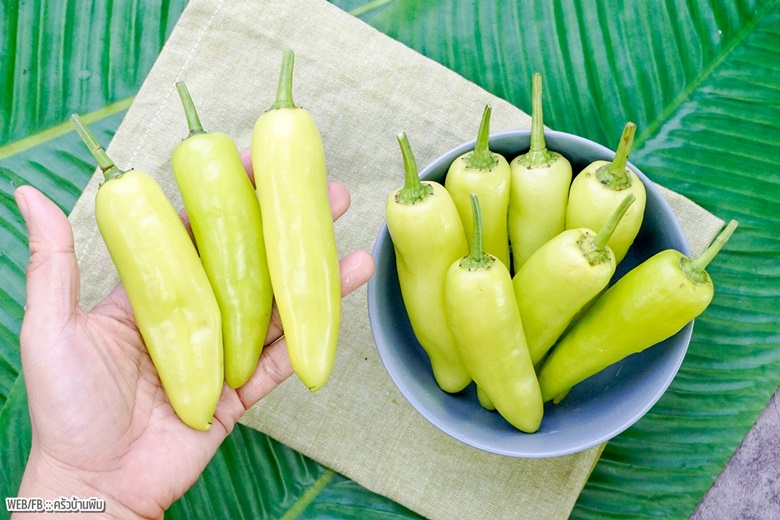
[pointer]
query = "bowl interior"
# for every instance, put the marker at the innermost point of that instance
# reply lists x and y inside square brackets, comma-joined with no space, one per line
[596,409]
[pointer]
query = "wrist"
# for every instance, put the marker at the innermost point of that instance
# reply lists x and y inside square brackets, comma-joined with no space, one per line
[64,490]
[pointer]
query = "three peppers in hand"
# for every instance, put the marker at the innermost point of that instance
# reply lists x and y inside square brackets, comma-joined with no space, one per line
[203,308]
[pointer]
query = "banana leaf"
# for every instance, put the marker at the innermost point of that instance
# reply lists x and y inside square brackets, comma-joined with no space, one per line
[700,78]
[702,82]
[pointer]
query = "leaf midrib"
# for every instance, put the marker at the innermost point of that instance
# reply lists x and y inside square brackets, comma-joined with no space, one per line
[665,115]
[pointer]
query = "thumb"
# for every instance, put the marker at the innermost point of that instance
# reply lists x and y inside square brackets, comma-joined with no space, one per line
[52,274]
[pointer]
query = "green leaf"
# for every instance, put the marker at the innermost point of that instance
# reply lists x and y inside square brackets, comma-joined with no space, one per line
[15,439]
[363,9]
[702,81]
[343,499]
[65,57]
[57,58]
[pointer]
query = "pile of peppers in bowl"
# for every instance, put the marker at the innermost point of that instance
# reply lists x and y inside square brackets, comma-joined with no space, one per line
[533,249]
[203,306]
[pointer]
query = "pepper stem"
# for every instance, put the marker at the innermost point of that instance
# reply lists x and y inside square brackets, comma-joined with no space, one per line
[603,236]
[414,190]
[482,158]
[110,171]
[193,121]
[594,247]
[695,269]
[538,156]
[477,258]
[613,175]
[284,90]
[538,143]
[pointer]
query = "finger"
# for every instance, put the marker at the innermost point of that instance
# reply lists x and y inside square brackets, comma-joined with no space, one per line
[273,368]
[246,159]
[339,199]
[185,219]
[354,269]
[52,272]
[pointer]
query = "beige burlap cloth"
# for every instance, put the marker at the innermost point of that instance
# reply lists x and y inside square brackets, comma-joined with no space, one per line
[362,88]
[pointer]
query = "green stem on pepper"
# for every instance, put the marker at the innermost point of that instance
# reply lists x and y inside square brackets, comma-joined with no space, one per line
[595,249]
[613,175]
[695,269]
[193,121]
[477,258]
[414,190]
[482,158]
[110,171]
[284,97]
[538,156]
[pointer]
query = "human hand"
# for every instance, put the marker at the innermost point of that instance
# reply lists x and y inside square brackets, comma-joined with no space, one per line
[102,425]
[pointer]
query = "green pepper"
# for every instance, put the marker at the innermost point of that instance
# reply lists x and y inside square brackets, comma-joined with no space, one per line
[289,165]
[649,304]
[485,320]
[560,278]
[540,181]
[485,174]
[225,218]
[598,190]
[173,303]
[484,400]
[427,237]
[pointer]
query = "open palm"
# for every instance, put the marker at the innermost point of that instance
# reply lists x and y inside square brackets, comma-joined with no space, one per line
[102,424]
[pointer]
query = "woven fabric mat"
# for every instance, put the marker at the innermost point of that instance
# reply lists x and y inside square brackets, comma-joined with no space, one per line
[362,88]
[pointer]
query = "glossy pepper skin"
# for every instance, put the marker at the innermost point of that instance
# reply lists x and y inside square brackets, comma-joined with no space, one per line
[560,278]
[598,190]
[427,237]
[648,304]
[539,190]
[174,305]
[485,174]
[484,318]
[484,400]
[225,217]
[289,165]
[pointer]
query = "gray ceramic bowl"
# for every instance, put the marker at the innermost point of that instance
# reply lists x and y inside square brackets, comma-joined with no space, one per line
[595,410]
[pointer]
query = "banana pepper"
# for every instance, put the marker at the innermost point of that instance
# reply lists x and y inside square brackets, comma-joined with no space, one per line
[485,174]
[225,217]
[427,237]
[539,190]
[289,165]
[485,320]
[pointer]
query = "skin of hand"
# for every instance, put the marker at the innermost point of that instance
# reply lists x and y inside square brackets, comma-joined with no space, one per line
[101,423]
